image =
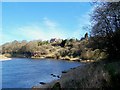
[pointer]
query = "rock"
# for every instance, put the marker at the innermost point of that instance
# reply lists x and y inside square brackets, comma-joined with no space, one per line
[53,75]
[58,76]
[42,83]
[64,71]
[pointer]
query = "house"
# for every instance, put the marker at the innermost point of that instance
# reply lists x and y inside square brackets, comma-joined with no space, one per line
[55,40]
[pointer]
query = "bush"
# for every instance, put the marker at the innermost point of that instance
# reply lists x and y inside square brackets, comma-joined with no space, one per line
[56,86]
[95,55]
[7,55]
[74,52]
[63,52]
[52,50]
[87,54]
[114,72]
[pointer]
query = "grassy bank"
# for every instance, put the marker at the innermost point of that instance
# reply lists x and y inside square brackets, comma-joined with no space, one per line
[94,75]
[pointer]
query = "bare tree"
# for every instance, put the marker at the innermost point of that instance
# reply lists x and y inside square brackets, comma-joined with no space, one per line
[106,26]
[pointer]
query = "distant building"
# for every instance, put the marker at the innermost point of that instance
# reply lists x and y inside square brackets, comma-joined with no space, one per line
[55,40]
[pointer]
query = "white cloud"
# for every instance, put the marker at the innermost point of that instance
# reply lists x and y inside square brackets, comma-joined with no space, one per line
[31,32]
[49,23]
[45,31]
[83,21]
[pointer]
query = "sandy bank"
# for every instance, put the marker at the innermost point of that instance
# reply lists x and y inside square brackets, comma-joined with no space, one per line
[3,58]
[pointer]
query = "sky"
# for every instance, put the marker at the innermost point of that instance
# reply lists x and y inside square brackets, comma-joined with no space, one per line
[44,20]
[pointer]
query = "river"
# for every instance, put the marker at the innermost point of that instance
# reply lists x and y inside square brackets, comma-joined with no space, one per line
[25,73]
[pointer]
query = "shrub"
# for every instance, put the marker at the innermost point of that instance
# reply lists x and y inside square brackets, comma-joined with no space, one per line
[87,54]
[7,55]
[63,52]
[95,55]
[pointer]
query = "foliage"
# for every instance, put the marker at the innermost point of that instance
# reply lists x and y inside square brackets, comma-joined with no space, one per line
[42,43]
[56,86]
[69,48]
[106,27]
[63,52]
[63,43]
[114,72]
[93,54]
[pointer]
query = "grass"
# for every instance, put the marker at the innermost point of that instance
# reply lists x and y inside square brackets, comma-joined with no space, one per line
[114,71]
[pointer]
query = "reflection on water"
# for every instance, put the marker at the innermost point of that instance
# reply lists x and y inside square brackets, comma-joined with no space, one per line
[25,73]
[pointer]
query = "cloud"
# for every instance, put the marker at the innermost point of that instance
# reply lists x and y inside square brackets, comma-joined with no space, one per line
[83,23]
[45,31]
[31,32]
[49,23]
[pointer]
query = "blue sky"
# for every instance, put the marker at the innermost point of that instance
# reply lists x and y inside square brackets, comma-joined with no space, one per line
[44,20]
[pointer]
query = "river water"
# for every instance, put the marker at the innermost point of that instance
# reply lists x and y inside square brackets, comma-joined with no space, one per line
[25,73]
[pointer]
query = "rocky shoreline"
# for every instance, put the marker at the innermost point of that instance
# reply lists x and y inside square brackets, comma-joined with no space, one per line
[93,75]
[65,58]
[66,75]
[79,77]
[3,58]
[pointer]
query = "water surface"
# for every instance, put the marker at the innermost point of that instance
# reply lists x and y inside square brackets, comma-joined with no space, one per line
[25,73]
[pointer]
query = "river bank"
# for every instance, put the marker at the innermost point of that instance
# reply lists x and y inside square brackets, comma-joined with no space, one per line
[48,56]
[64,58]
[94,75]
[4,58]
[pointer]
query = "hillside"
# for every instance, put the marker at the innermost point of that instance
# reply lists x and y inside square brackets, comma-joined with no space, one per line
[68,49]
